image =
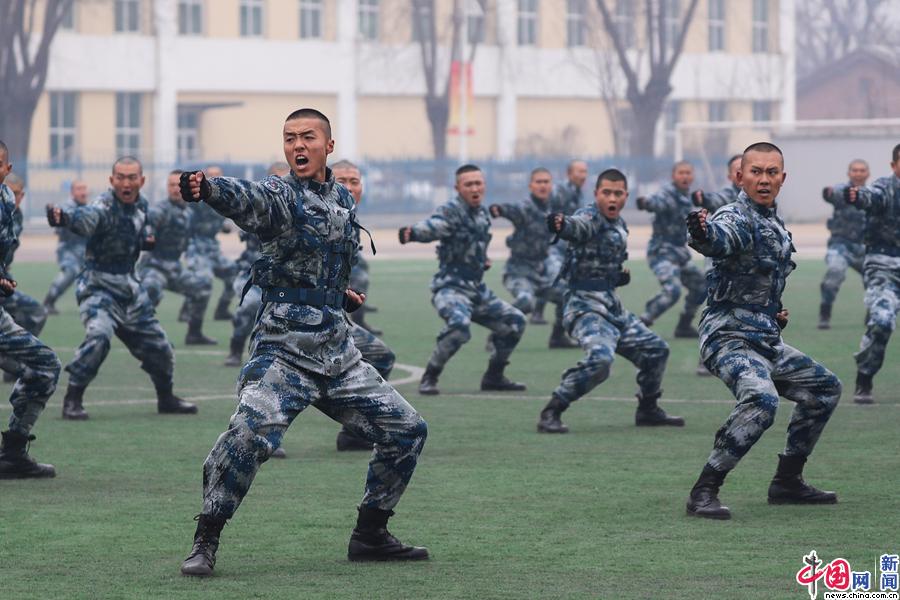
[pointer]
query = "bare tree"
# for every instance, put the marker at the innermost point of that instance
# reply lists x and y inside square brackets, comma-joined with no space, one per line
[828,30]
[648,97]
[436,73]
[24,58]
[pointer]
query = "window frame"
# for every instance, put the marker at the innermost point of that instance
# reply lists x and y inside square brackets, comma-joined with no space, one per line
[129,126]
[60,132]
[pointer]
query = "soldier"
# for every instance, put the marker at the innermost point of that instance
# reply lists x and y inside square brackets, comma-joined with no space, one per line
[302,353]
[462,227]
[713,201]
[204,255]
[161,268]
[845,245]
[881,203]
[597,247]
[668,254]
[741,343]
[525,273]
[110,299]
[35,366]
[69,250]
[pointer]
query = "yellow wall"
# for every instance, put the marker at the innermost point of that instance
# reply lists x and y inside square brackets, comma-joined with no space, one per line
[224,21]
[547,121]
[383,135]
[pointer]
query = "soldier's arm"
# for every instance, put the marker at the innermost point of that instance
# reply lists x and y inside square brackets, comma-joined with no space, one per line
[870,198]
[512,212]
[834,194]
[85,220]
[727,232]
[261,207]
[438,226]
[713,201]
[579,228]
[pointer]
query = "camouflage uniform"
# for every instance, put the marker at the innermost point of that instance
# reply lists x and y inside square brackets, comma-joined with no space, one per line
[713,201]
[302,353]
[161,268]
[740,340]
[881,203]
[251,300]
[566,199]
[669,256]
[110,299]
[204,254]
[69,257]
[459,295]
[24,310]
[845,248]
[594,315]
[34,365]
[525,272]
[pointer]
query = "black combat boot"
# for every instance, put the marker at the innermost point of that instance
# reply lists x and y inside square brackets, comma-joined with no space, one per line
[202,559]
[494,380]
[359,317]
[371,540]
[235,353]
[50,305]
[14,460]
[222,313]
[649,413]
[195,335]
[559,339]
[550,419]
[169,404]
[824,316]
[788,487]
[428,384]
[685,329]
[646,320]
[183,313]
[863,394]
[704,498]
[347,440]
[73,409]
[537,315]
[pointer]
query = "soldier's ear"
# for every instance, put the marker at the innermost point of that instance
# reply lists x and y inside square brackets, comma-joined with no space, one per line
[329,147]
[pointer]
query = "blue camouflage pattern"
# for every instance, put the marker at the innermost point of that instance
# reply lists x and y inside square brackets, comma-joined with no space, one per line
[713,201]
[845,244]
[204,254]
[524,274]
[741,342]
[69,256]
[24,310]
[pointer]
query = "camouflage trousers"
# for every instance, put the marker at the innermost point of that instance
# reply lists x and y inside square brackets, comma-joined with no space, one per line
[458,307]
[133,322]
[672,275]
[272,393]
[525,291]
[26,311]
[206,260]
[838,257]
[554,293]
[757,378]
[195,286]
[36,368]
[602,333]
[245,314]
[71,263]
[882,276]
[374,351]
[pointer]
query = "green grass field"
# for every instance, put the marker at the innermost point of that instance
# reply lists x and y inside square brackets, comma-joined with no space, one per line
[506,513]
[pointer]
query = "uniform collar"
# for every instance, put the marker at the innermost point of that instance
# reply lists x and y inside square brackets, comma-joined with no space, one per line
[539,203]
[763,210]
[471,209]
[317,187]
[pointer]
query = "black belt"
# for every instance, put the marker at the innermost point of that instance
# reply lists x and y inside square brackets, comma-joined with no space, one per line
[117,268]
[310,296]
[468,273]
[591,285]
[886,250]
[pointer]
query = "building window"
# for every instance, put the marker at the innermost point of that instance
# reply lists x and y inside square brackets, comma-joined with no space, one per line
[716,25]
[310,19]
[760,25]
[128,123]
[128,16]
[422,20]
[575,21]
[368,19]
[718,111]
[671,21]
[188,134]
[252,18]
[62,127]
[190,17]
[762,110]
[527,22]
[475,22]
[68,18]
[624,22]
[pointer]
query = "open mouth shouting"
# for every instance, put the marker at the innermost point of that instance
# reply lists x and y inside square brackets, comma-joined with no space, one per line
[301,161]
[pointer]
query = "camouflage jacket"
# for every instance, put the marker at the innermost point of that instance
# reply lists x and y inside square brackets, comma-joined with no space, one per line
[530,240]
[171,225]
[881,202]
[205,222]
[566,199]
[751,251]
[251,251]
[9,229]
[67,237]
[846,224]
[306,232]
[713,201]
[463,234]
[670,208]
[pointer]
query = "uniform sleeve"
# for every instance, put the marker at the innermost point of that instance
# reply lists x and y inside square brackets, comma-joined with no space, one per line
[727,233]
[438,226]
[657,202]
[713,201]
[874,198]
[85,220]
[514,213]
[261,207]
[579,228]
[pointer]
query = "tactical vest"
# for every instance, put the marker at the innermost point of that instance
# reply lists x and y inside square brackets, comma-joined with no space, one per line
[172,232]
[116,248]
[530,241]
[464,254]
[883,228]
[597,264]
